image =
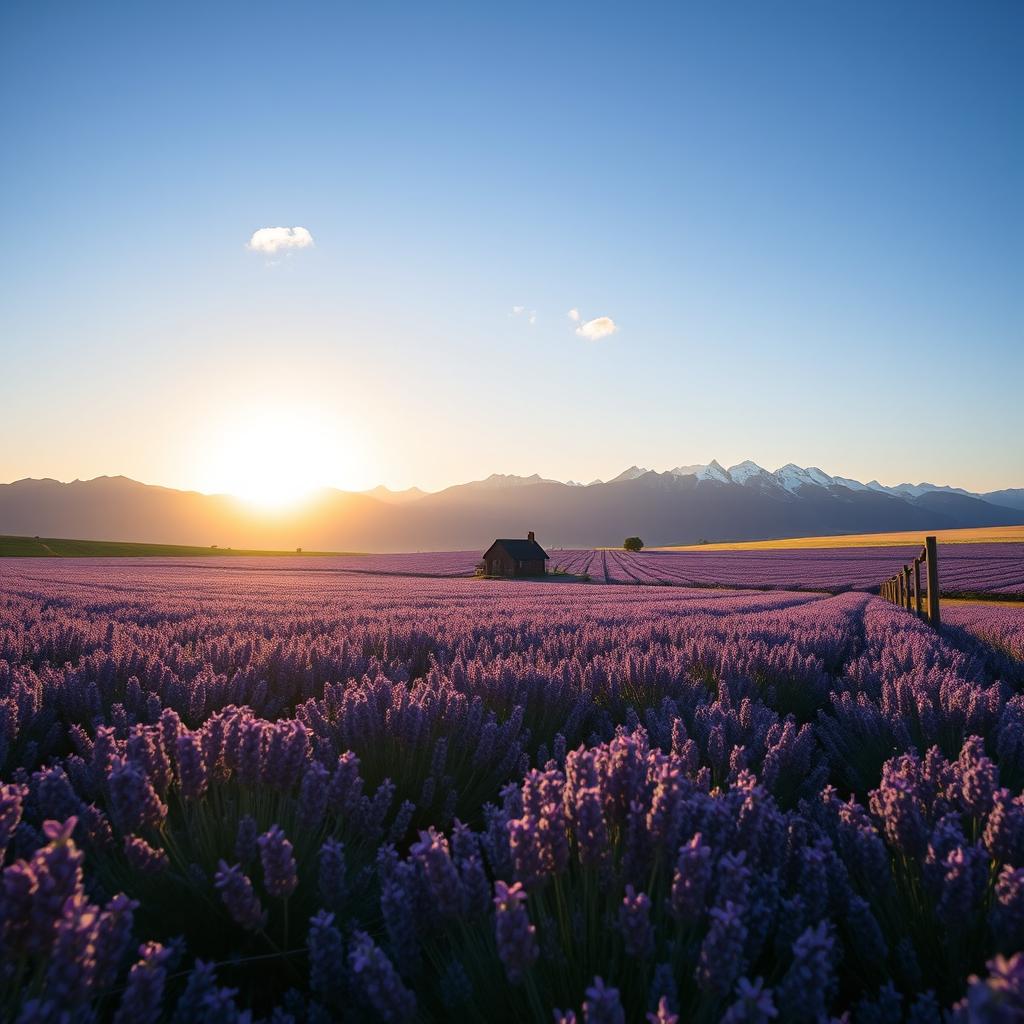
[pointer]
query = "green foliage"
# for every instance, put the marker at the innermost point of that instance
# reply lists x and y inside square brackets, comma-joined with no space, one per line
[633,544]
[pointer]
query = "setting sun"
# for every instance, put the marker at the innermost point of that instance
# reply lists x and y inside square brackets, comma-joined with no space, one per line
[274,458]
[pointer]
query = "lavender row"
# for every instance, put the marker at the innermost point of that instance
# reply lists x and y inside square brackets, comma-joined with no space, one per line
[998,625]
[964,568]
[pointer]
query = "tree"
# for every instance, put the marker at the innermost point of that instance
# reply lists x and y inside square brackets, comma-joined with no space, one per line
[633,544]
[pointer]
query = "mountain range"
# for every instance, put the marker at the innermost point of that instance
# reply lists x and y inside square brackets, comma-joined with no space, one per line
[684,505]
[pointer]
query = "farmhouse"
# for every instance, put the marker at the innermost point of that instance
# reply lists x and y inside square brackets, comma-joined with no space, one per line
[515,558]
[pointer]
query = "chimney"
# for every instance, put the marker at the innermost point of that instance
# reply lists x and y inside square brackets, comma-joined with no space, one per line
[530,536]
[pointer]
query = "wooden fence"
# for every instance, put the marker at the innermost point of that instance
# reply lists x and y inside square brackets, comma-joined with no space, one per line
[904,588]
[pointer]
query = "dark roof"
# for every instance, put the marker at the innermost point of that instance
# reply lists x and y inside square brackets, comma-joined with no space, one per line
[520,550]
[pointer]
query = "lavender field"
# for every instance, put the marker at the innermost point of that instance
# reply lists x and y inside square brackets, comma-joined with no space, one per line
[995,569]
[256,790]
[964,568]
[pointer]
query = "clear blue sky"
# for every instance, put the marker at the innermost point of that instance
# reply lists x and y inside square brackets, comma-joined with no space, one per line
[796,214]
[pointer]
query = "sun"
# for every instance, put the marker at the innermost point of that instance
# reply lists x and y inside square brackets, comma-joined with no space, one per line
[273,458]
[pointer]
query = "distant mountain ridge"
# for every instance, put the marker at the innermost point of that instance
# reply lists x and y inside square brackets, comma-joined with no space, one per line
[790,477]
[683,505]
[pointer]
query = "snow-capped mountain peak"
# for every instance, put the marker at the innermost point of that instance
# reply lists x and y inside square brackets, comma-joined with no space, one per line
[794,477]
[853,485]
[714,471]
[745,471]
[748,473]
[711,471]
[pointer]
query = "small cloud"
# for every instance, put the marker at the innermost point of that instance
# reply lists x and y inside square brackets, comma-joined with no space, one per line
[270,240]
[599,327]
[574,315]
[530,314]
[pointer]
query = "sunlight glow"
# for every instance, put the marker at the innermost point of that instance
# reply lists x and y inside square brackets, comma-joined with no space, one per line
[275,458]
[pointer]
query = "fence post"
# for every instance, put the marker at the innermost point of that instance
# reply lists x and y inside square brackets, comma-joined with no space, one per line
[917,586]
[932,559]
[906,587]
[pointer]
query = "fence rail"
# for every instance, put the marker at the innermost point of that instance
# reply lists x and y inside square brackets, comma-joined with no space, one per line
[904,588]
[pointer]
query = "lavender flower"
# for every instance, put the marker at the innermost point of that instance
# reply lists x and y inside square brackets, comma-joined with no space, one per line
[516,937]
[192,775]
[239,897]
[603,1005]
[112,938]
[998,998]
[663,1015]
[143,996]
[12,797]
[313,796]
[635,923]
[376,979]
[134,804]
[144,858]
[247,840]
[326,952]
[805,991]
[279,871]
[754,1004]
[442,878]
[331,878]
[721,959]
[691,880]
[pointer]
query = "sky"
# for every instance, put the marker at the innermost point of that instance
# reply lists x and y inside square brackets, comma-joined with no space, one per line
[524,238]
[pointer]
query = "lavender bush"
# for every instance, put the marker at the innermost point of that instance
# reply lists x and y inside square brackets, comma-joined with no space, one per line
[299,796]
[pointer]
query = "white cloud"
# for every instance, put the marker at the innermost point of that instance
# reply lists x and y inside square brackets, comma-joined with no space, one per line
[599,327]
[574,314]
[270,240]
[530,314]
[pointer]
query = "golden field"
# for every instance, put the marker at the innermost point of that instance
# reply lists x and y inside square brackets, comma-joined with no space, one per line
[973,535]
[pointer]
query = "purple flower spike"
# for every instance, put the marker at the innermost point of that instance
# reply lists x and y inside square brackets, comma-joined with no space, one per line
[721,959]
[997,999]
[279,872]
[134,804]
[331,878]
[635,923]
[754,1004]
[144,858]
[663,1015]
[239,897]
[516,937]
[691,881]
[247,840]
[143,996]
[603,1005]
[191,766]
[378,982]
[11,799]
[441,875]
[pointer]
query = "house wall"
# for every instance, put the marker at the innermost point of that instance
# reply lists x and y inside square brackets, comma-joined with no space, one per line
[532,568]
[499,563]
